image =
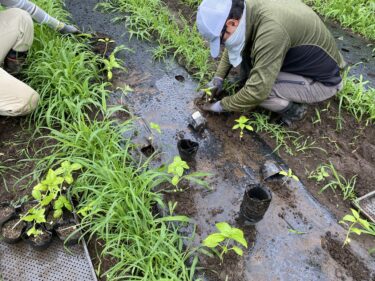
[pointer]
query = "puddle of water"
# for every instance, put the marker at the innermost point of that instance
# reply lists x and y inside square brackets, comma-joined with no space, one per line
[159,96]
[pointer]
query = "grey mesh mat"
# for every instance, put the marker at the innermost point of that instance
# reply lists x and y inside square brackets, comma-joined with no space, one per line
[21,263]
[367,205]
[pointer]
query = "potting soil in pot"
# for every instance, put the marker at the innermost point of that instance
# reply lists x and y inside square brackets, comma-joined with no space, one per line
[12,229]
[5,212]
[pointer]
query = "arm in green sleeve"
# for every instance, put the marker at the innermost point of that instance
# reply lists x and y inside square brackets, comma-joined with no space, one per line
[224,66]
[270,48]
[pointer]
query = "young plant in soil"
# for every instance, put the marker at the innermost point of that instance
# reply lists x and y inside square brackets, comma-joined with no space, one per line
[335,180]
[176,170]
[242,124]
[221,242]
[112,62]
[357,225]
[289,174]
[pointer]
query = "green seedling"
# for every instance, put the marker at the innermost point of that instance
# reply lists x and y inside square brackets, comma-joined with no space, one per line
[320,174]
[338,181]
[318,119]
[177,168]
[35,216]
[289,174]
[106,41]
[222,242]
[112,62]
[357,225]
[155,127]
[242,124]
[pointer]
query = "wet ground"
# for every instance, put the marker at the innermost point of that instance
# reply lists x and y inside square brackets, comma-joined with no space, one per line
[275,252]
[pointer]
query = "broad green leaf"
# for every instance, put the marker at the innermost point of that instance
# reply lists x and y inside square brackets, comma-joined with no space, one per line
[355,213]
[155,126]
[46,200]
[68,178]
[57,213]
[250,128]
[175,180]
[213,240]
[75,167]
[349,218]
[237,250]
[34,232]
[356,230]
[40,187]
[179,171]
[59,204]
[224,228]
[36,194]
[283,173]
[237,235]
[235,127]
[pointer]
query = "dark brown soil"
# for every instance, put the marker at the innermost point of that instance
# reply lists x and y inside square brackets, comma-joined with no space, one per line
[101,48]
[5,212]
[27,206]
[351,151]
[345,257]
[16,145]
[9,231]
[41,238]
[64,231]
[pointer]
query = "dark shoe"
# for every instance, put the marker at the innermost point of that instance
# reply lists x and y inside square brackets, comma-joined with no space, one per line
[294,112]
[14,62]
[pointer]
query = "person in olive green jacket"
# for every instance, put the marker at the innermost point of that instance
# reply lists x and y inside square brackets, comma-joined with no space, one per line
[287,56]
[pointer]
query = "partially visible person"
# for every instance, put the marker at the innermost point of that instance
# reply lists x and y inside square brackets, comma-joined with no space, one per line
[16,38]
[288,58]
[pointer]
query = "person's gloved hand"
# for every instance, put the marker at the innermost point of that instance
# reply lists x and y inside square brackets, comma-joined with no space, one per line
[213,107]
[213,88]
[69,29]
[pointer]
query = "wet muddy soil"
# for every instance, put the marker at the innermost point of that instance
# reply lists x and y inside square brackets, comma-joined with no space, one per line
[275,250]
[14,151]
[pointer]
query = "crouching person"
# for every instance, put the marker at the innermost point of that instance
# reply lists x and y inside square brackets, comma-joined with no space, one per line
[16,38]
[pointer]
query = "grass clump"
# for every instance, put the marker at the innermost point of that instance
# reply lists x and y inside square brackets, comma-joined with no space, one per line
[146,19]
[63,71]
[355,14]
[116,198]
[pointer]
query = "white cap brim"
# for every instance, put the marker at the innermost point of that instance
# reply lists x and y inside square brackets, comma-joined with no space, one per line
[215,47]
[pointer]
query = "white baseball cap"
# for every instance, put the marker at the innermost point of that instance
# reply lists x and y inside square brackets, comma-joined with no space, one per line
[211,18]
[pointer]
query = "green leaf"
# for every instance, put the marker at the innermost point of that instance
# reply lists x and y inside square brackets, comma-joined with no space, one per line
[295,178]
[237,250]
[75,167]
[355,213]
[249,128]
[36,194]
[213,240]
[180,171]
[57,213]
[68,178]
[40,187]
[155,126]
[356,230]
[224,228]
[175,180]
[235,127]
[59,204]
[349,218]
[237,235]
[34,232]
[46,200]
[174,218]
[283,173]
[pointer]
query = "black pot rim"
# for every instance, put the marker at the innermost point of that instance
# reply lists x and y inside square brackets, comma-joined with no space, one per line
[42,246]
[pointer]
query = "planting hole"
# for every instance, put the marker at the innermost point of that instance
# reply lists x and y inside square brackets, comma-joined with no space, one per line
[148,150]
[180,78]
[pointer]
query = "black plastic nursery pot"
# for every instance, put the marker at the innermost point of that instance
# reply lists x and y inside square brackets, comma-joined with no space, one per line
[67,232]
[40,242]
[12,230]
[27,206]
[255,203]
[187,149]
[6,211]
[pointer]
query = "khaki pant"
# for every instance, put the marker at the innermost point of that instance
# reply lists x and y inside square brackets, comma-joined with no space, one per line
[290,87]
[295,88]
[16,33]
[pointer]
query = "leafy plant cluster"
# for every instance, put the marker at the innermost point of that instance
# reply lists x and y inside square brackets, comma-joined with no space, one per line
[50,193]
[223,241]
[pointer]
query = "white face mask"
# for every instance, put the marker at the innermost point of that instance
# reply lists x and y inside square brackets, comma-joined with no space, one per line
[236,42]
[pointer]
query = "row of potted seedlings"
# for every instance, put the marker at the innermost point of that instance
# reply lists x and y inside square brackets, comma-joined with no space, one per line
[49,213]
